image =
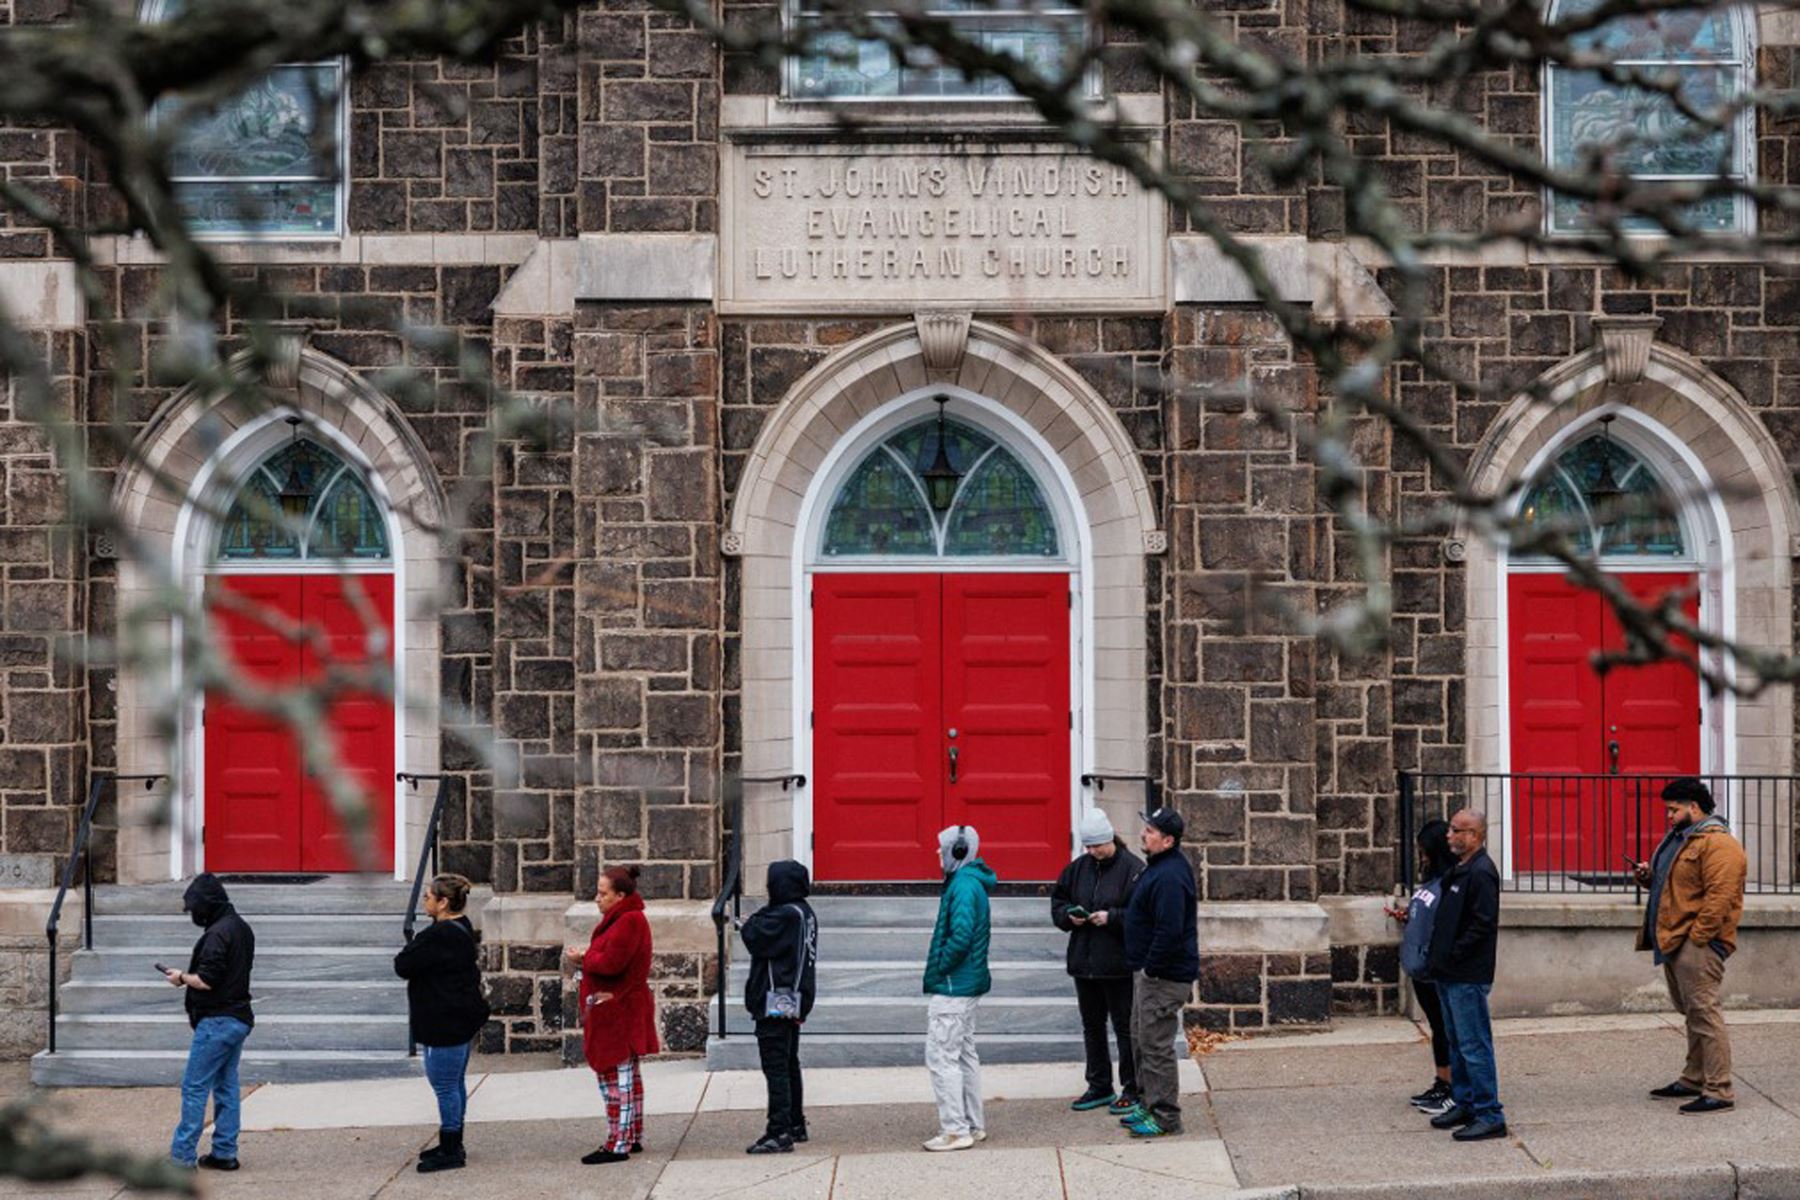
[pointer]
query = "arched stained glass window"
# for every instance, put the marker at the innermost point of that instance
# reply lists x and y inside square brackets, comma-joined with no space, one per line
[1600,473]
[1702,55]
[340,518]
[996,508]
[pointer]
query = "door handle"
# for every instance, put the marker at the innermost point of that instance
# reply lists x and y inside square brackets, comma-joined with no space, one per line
[953,764]
[1612,754]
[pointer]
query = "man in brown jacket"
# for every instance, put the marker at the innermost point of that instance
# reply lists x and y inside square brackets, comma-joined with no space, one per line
[1696,884]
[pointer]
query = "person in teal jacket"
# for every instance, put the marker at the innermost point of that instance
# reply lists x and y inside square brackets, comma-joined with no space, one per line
[956,977]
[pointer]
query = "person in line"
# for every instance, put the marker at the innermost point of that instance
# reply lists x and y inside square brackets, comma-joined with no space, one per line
[1696,885]
[1418,919]
[217,983]
[1162,947]
[445,1009]
[956,977]
[1461,963]
[783,940]
[1088,903]
[618,1012]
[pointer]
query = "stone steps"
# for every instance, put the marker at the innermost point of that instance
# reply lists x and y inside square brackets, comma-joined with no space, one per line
[297,997]
[738,1052]
[163,1068]
[372,930]
[169,1031]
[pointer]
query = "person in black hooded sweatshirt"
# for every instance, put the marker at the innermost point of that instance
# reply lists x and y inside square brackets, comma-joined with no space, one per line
[446,1009]
[783,940]
[217,980]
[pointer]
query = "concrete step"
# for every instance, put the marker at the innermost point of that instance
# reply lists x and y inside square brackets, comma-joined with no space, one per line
[321,998]
[900,943]
[347,894]
[170,1031]
[277,964]
[888,978]
[906,1015]
[915,911]
[363,930]
[163,1068]
[738,1052]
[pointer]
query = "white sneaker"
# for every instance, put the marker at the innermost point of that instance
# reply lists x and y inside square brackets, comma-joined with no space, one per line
[949,1141]
[979,1135]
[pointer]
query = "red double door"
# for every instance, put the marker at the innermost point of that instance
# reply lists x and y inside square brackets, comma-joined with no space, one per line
[1571,724]
[940,700]
[263,812]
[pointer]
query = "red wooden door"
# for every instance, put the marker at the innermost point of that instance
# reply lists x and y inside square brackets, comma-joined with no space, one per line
[1006,694]
[899,661]
[1566,718]
[263,812]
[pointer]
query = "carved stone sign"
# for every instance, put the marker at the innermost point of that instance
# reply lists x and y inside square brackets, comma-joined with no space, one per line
[884,228]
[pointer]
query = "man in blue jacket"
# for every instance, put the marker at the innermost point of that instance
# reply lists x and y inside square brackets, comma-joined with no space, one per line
[956,978]
[1162,947]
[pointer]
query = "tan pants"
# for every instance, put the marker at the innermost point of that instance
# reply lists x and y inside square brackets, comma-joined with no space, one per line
[1694,976]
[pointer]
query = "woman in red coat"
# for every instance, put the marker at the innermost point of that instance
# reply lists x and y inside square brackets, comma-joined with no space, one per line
[618,1013]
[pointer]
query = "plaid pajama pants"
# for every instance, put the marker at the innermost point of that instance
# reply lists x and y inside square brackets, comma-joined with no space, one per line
[623,1088]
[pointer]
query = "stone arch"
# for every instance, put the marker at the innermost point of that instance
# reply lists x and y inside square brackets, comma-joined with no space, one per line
[1058,410]
[184,453]
[1756,510]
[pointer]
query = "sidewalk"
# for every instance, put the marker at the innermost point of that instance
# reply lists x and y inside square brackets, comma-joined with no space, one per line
[1318,1116]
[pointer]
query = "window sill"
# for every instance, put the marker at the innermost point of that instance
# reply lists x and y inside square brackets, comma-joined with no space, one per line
[752,115]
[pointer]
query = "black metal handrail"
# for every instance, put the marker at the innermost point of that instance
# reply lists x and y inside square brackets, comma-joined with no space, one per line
[84,850]
[1152,790]
[731,884]
[1571,833]
[427,854]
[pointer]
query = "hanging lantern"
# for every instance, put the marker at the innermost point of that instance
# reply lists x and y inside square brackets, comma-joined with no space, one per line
[941,478]
[296,497]
[1605,490]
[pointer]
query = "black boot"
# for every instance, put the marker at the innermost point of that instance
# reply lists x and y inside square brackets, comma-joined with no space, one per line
[602,1156]
[447,1155]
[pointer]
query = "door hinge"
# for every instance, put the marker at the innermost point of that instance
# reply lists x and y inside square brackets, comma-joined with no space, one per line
[1071,718]
[1071,599]
[809,720]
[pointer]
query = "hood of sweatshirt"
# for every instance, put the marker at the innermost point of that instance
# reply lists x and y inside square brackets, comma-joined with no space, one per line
[205,900]
[947,839]
[788,882]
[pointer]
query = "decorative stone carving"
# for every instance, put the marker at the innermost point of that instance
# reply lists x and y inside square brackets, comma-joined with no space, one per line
[731,544]
[1455,550]
[943,338]
[284,363]
[1156,541]
[1625,345]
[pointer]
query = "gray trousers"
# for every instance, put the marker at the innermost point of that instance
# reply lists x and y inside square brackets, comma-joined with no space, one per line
[954,1065]
[1155,1020]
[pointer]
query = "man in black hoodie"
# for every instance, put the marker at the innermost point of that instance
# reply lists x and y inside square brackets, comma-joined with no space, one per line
[217,980]
[1461,963]
[783,940]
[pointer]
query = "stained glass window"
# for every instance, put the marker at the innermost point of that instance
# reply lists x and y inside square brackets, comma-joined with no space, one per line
[266,162]
[341,518]
[1047,36]
[883,509]
[1642,131]
[1571,495]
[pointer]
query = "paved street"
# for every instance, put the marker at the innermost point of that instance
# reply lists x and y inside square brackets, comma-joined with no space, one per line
[1327,1111]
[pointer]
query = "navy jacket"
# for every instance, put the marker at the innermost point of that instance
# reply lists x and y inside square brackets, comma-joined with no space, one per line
[1162,932]
[1467,932]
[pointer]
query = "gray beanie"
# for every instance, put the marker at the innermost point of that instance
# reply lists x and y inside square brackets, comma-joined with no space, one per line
[947,839]
[1096,830]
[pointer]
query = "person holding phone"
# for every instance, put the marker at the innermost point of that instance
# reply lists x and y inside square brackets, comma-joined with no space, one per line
[217,984]
[618,1011]
[446,1009]
[1088,903]
[1696,884]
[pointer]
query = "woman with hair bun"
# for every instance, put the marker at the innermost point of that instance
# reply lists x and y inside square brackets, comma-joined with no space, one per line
[442,969]
[618,1013]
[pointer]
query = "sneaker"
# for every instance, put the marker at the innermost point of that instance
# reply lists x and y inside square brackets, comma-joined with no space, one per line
[1480,1131]
[771,1143]
[1675,1091]
[949,1141]
[1705,1104]
[602,1156]
[979,1135]
[214,1163]
[797,1134]
[1136,1113]
[1438,1107]
[1150,1127]
[1123,1104]
[1431,1095]
[1091,1099]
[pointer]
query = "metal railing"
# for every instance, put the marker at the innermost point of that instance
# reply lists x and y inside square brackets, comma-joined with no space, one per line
[1572,833]
[83,849]
[1152,790]
[427,855]
[731,884]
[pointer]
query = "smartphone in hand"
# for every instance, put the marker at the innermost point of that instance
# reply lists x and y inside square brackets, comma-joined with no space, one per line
[1076,912]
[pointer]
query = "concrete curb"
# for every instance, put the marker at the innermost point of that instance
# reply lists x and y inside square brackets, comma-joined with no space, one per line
[1723,1181]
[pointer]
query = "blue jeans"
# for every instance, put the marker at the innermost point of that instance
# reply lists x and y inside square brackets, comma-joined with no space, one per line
[212,1069]
[1474,1077]
[446,1069]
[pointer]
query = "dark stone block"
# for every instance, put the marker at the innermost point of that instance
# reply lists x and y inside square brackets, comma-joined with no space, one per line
[681,604]
[521,815]
[1299,1001]
[520,957]
[1281,840]
[682,833]
[1231,979]
[510,995]
[1245,883]
[1381,964]
[1346,964]
[683,1026]
[681,720]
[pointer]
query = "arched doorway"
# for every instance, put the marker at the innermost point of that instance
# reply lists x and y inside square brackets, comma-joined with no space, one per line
[941,569]
[299,589]
[1588,746]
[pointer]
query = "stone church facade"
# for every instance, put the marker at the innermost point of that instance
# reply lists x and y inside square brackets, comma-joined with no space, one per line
[739,305]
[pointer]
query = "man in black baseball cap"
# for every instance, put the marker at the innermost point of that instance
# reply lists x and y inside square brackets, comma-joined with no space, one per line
[1162,947]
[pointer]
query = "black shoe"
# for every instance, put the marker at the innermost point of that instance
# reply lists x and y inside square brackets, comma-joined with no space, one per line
[602,1156]
[1091,1099]
[636,1148]
[797,1134]
[214,1163]
[447,1155]
[1431,1095]
[1704,1104]
[1480,1131]
[771,1143]
[1453,1119]
[1675,1091]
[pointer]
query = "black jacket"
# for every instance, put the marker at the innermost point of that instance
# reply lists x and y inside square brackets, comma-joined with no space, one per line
[1162,927]
[442,969]
[1096,951]
[222,957]
[779,934]
[1467,931]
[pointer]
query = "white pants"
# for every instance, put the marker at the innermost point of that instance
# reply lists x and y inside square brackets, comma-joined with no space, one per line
[955,1067]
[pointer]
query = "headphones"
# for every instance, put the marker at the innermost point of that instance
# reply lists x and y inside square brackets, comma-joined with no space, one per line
[959,849]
